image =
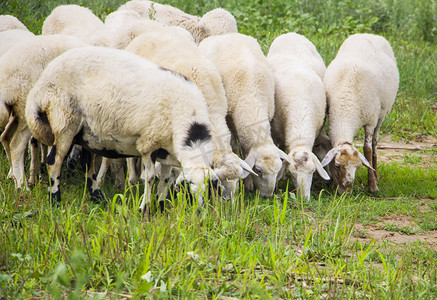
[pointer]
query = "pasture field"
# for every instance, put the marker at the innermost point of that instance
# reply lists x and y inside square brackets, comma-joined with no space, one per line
[359,246]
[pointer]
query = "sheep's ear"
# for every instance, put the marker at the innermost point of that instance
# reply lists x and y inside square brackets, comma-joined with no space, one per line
[319,168]
[246,169]
[284,156]
[329,157]
[365,161]
[250,161]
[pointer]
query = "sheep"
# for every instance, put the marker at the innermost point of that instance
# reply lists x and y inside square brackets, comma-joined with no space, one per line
[168,15]
[361,85]
[8,22]
[300,104]
[124,34]
[121,18]
[217,21]
[250,87]
[20,68]
[171,51]
[118,104]
[77,21]
[12,32]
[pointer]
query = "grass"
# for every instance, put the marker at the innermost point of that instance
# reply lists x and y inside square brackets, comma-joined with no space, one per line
[281,247]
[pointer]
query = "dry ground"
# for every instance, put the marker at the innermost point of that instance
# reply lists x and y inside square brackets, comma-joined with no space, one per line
[390,151]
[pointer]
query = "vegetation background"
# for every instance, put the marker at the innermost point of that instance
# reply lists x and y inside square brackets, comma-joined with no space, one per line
[281,247]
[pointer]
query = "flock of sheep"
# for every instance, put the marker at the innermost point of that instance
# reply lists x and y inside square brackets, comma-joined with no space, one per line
[189,95]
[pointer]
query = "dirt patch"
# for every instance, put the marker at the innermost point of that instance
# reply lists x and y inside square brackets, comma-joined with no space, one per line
[417,151]
[396,229]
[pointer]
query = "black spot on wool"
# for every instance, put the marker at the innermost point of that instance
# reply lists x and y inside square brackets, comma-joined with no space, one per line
[197,132]
[160,153]
[43,117]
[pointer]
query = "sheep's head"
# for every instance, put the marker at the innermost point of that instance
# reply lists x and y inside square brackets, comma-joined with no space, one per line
[266,162]
[198,182]
[301,167]
[230,168]
[346,160]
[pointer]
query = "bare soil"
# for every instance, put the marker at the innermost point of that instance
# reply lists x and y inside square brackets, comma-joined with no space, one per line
[391,151]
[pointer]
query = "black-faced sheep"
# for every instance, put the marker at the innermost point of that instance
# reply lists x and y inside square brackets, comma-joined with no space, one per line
[118,104]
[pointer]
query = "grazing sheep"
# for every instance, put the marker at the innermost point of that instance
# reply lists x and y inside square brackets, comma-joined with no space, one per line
[8,22]
[10,38]
[118,104]
[300,104]
[217,21]
[250,87]
[361,85]
[12,31]
[123,35]
[121,18]
[171,51]
[20,68]
[168,15]
[77,21]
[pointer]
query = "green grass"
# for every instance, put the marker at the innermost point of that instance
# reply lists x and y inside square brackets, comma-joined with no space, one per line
[281,247]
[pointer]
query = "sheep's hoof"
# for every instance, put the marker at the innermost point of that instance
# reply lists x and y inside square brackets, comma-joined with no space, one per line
[43,169]
[97,196]
[373,189]
[55,198]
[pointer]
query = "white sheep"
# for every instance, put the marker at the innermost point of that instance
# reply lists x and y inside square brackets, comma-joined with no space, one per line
[218,21]
[250,87]
[118,104]
[10,38]
[8,22]
[361,85]
[171,51]
[20,68]
[121,18]
[12,31]
[300,104]
[124,34]
[77,21]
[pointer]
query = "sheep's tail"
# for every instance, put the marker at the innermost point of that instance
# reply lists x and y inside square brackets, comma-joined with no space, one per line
[38,123]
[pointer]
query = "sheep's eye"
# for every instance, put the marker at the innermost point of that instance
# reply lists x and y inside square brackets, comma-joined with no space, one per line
[258,170]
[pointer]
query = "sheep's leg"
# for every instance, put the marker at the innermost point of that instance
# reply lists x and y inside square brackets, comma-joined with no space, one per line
[118,172]
[18,146]
[371,178]
[54,161]
[164,181]
[92,184]
[375,148]
[104,166]
[5,139]
[44,151]
[132,170]
[73,158]
[148,175]
[34,153]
